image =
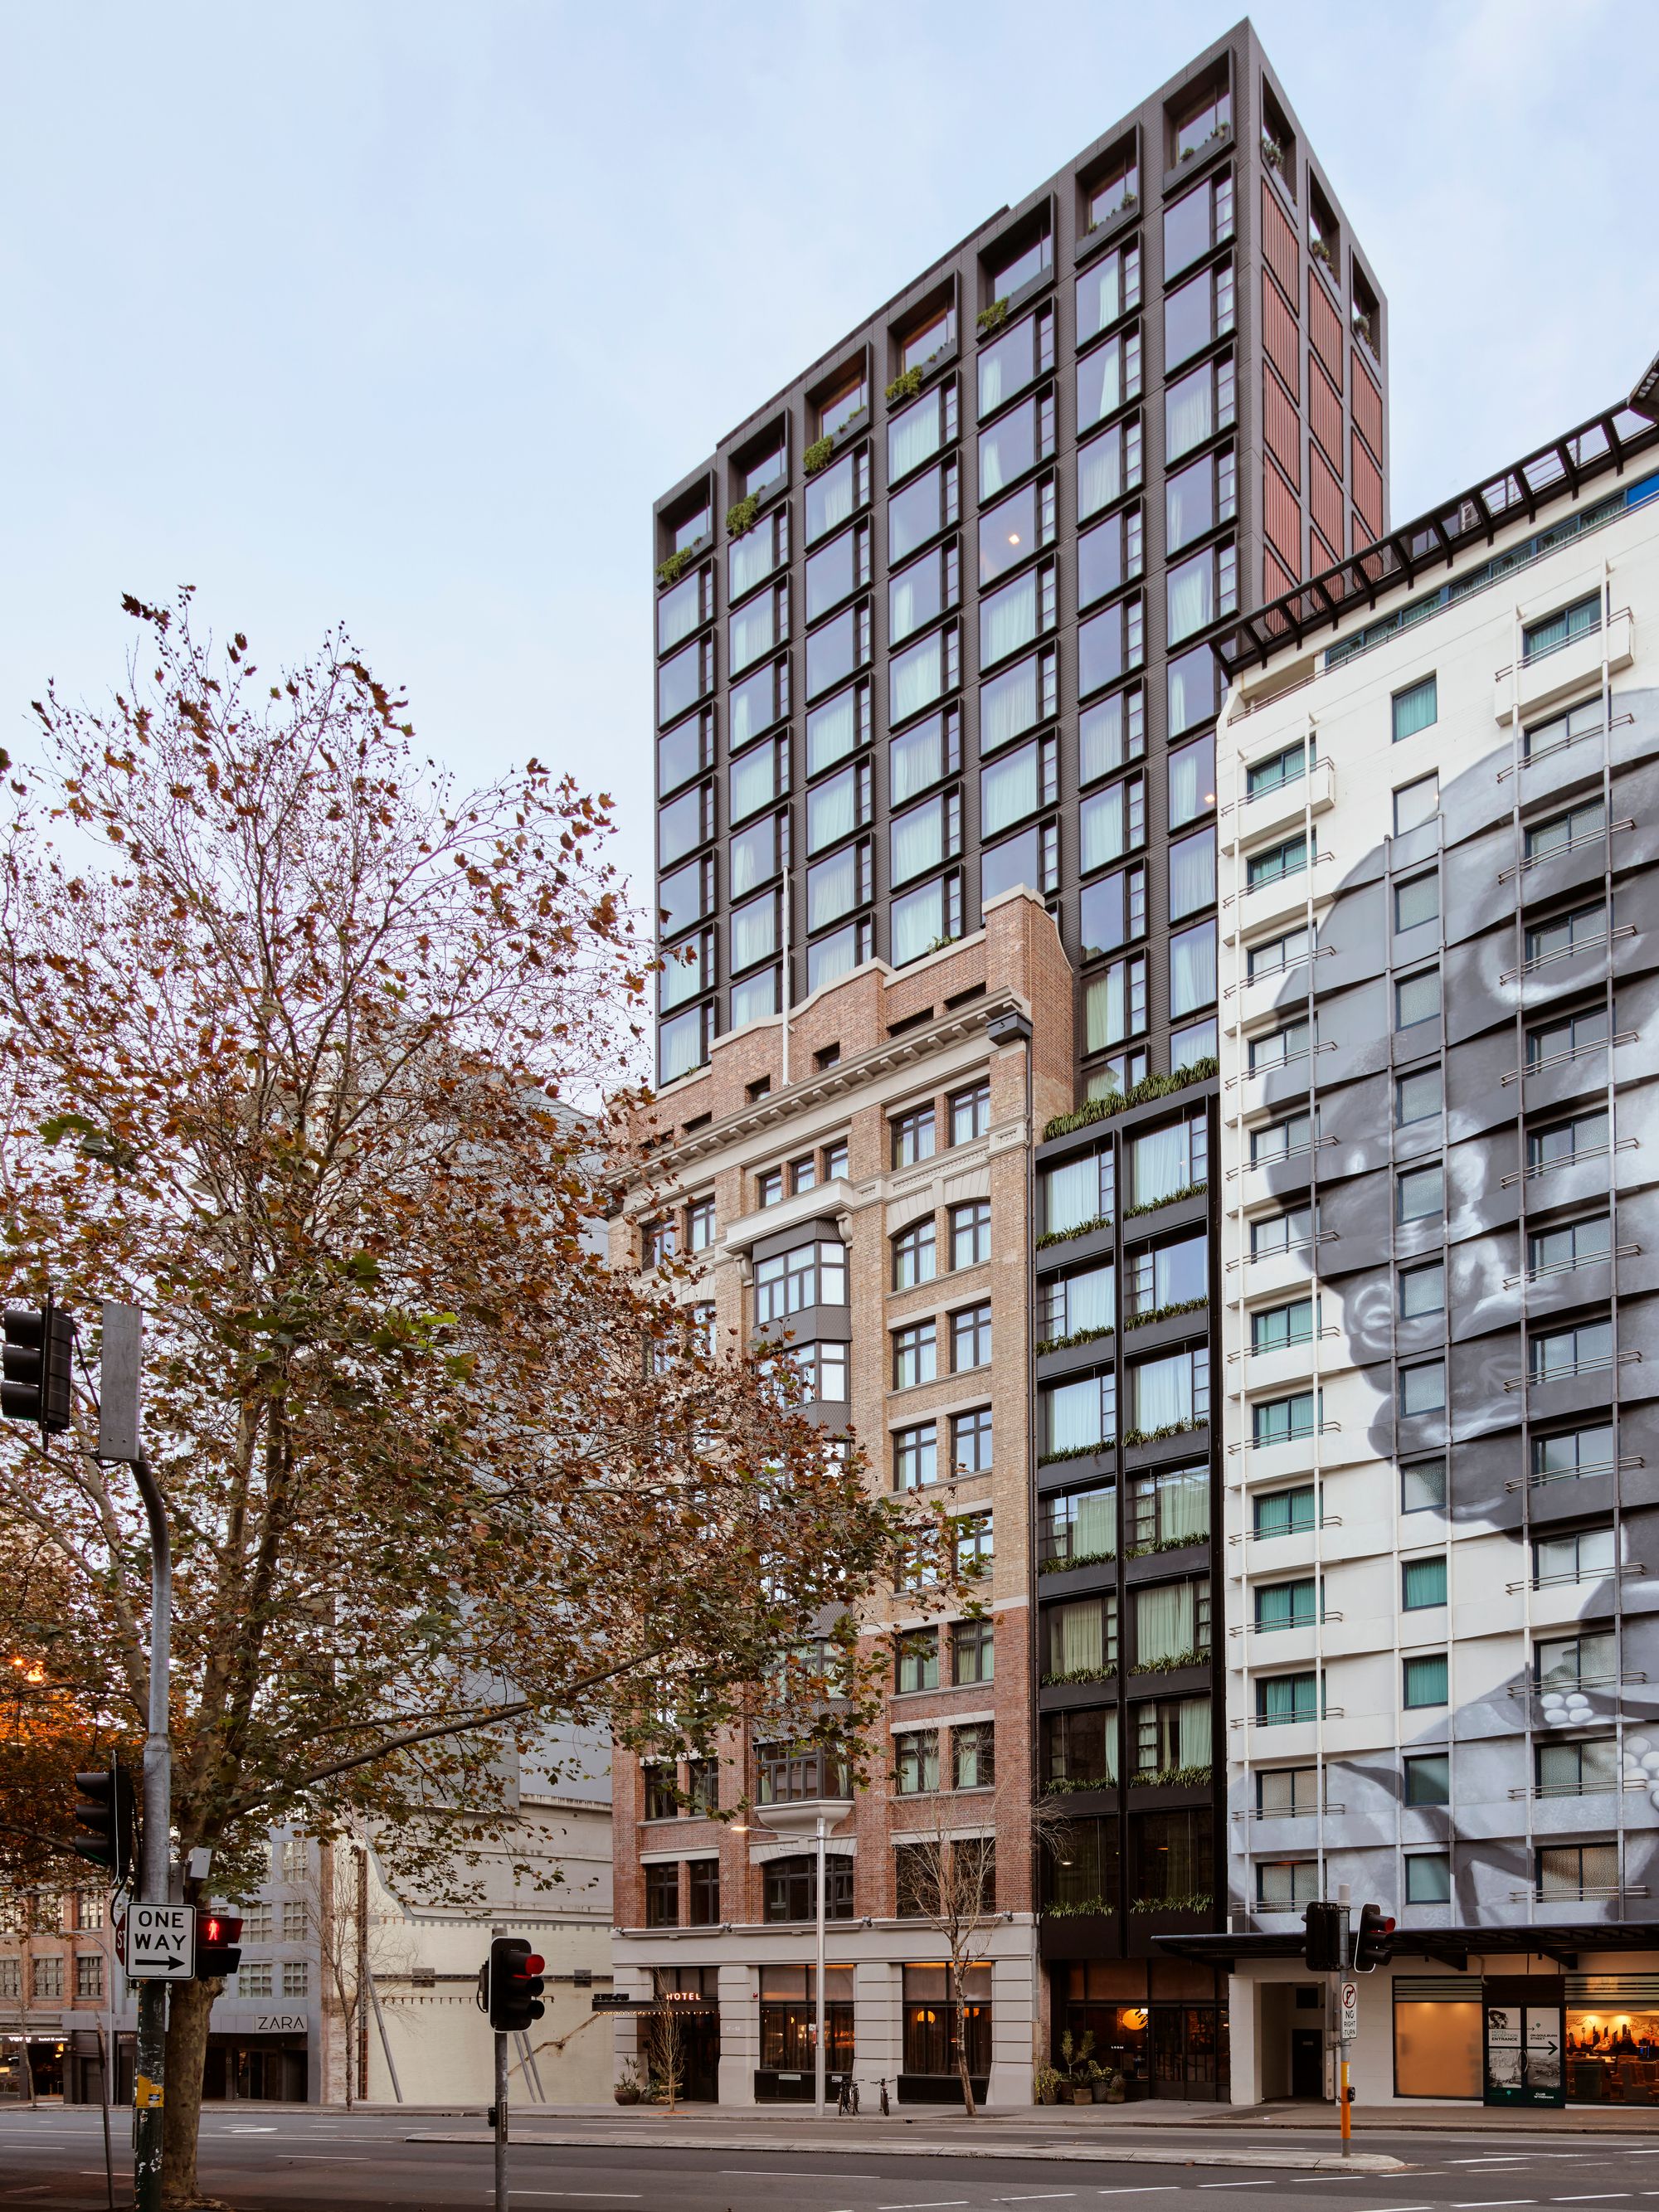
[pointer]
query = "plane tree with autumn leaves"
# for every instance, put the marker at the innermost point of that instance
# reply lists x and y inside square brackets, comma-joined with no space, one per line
[293,1040]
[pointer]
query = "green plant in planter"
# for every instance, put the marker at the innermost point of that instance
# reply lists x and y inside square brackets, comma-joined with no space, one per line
[993,317]
[817,455]
[671,570]
[740,516]
[1045,2085]
[904,386]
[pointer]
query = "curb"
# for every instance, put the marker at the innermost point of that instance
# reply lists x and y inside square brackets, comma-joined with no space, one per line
[1302,2162]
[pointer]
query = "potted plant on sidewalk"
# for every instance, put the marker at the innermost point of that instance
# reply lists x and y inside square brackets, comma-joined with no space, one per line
[1077,2053]
[1046,2084]
[628,2090]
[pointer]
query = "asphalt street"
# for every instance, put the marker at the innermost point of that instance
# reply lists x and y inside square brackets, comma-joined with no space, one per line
[54,2158]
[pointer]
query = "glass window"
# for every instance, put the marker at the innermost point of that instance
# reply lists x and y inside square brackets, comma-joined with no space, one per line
[1416,708]
[1114,1003]
[1579,825]
[1079,1639]
[1012,531]
[921,755]
[921,837]
[970,1339]
[1565,933]
[1422,1193]
[837,884]
[836,494]
[1108,556]
[1107,288]
[1572,1453]
[1193,681]
[1009,447]
[1012,616]
[757,626]
[1422,1291]
[680,609]
[1198,497]
[914,1255]
[833,572]
[971,1233]
[1549,635]
[1079,1305]
[837,806]
[683,1043]
[1284,1513]
[1286,1605]
[1111,822]
[1077,1193]
[913,1135]
[837,648]
[769,469]
[1192,874]
[685,822]
[1428,1778]
[927,588]
[1078,1416]
[1196,311]
[918,1660]
[1584,720]
[754,931]
[1192,225]
[756,703]
[1016,785]
[684,751]
[916,1457]
[925,918]
[1428,1877]
[1417,998]
[1282,1421]
[750,559]
[1417,1097]
[1108,466]
[971,1441]
[916,1761]
[1007,364]
[922,673]
[1112,911]
[758,777]
[1416,900]
[1273,1328]
[811,1274]
[1571,1245]
[1423,1582]
[971,1114]
[837,955]
[1197,405]
[682,681]
[1290,1040]
[1423,1487]
[1271,955]
[1111,734]
[1017,699]
[1192,970]
[1030,858]
[921,430]
[916,1355]
[1426,1680]
[1415,803]
[920,511]
[1108,378]
[1585,1348]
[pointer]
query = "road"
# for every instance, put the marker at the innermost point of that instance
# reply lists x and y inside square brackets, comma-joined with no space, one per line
[292,2159]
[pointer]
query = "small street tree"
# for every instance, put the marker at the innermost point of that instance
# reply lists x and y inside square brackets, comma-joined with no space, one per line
[293,1040]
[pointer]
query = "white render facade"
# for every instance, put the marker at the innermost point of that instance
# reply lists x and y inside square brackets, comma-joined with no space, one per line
[1439,1256]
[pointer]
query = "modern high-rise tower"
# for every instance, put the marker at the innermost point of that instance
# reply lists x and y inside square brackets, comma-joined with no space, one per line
[934,627]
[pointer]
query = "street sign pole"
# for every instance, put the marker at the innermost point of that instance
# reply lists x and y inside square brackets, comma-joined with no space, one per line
[119,1370]
[501,2122]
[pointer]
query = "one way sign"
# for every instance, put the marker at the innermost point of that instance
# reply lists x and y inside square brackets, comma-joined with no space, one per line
[160,1942]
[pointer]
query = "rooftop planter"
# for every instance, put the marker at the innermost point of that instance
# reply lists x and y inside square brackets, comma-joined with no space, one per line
[1080,1674]
[992,318]
[741,516]
[1085,1336]
[1065,1235]
[1131,1437]
[1076,1451]
[1079,1559]
[903,387]
[1174,1777]
[1168,1198]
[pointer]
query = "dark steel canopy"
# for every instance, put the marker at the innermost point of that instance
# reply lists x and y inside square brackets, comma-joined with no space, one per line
[1450,1946]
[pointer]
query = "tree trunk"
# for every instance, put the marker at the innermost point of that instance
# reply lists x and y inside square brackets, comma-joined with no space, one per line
[188,2007]
[958,1991]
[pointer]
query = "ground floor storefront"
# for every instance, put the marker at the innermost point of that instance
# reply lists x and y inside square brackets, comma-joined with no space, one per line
[1159,2026]
[733,2016]
[1549,2029]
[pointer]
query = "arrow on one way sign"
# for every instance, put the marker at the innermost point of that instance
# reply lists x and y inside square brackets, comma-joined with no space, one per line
[161,1943]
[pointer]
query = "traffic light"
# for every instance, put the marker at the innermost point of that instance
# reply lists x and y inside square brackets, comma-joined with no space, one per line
[39,1347]
[106,1820]
[1372,1944]
[218,1944]
[1322,1945]
[514,1983]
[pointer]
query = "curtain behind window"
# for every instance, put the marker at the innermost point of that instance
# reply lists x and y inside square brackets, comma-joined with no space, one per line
[1191,596]
[832,887]
[917,922]
[917,676]
[1183,1505]
[1195,1739]
[1009,620]
[1106,1007]
[753,778]
[912,437]
[1102,822]
[918,840]
[1094,1524]
[1192,970]
[1075,1415]
[1163,1392]
[1192,875]
[1165,1622]
[1160,1163]
[1089,1301]
[1077,1637]
[1008,706]
[832,811]
[1099,473]
[754,932]
[1008,789]
[1072,1193]
[915,761]
[1186,417]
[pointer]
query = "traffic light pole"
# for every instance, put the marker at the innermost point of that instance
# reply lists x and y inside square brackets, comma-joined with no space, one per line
[151,2067]
[500,2121]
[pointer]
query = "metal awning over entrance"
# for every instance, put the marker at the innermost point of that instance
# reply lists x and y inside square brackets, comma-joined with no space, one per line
[1452,1947]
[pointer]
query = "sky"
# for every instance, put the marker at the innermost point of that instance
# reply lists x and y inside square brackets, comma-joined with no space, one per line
[403,314]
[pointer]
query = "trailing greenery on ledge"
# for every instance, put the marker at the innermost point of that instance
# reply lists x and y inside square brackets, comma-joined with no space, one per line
[1162,1313]
[1079,1559]
[1075,1451]
[1081,1908]
[1080,1674]
[1173,1778]
[671,570]
[1065,1787]
[1172,1665]
[817,455]
[904,386]
[1157,1436]
[1083,1229]
[1114,1102]
[993,317]
[740,517]
[1166,1544]
[1195,1900]
[1080,1336]
[1169,1197]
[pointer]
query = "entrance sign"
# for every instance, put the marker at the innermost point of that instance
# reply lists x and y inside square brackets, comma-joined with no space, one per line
[160,1944]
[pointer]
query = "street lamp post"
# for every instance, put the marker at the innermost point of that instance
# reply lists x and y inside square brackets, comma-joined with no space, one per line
[815,1816]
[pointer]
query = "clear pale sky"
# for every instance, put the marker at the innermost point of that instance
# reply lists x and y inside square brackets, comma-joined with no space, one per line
[406,313]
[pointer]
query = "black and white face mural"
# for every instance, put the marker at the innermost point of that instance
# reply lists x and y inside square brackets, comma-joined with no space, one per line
[1552,1626]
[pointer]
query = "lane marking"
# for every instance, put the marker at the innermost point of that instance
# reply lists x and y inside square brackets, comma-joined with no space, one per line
[1037,2196]
[1147,2188]
[634,2194]
[1595,2197]
[1263,2183]
[772,2174]
[923,2205]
